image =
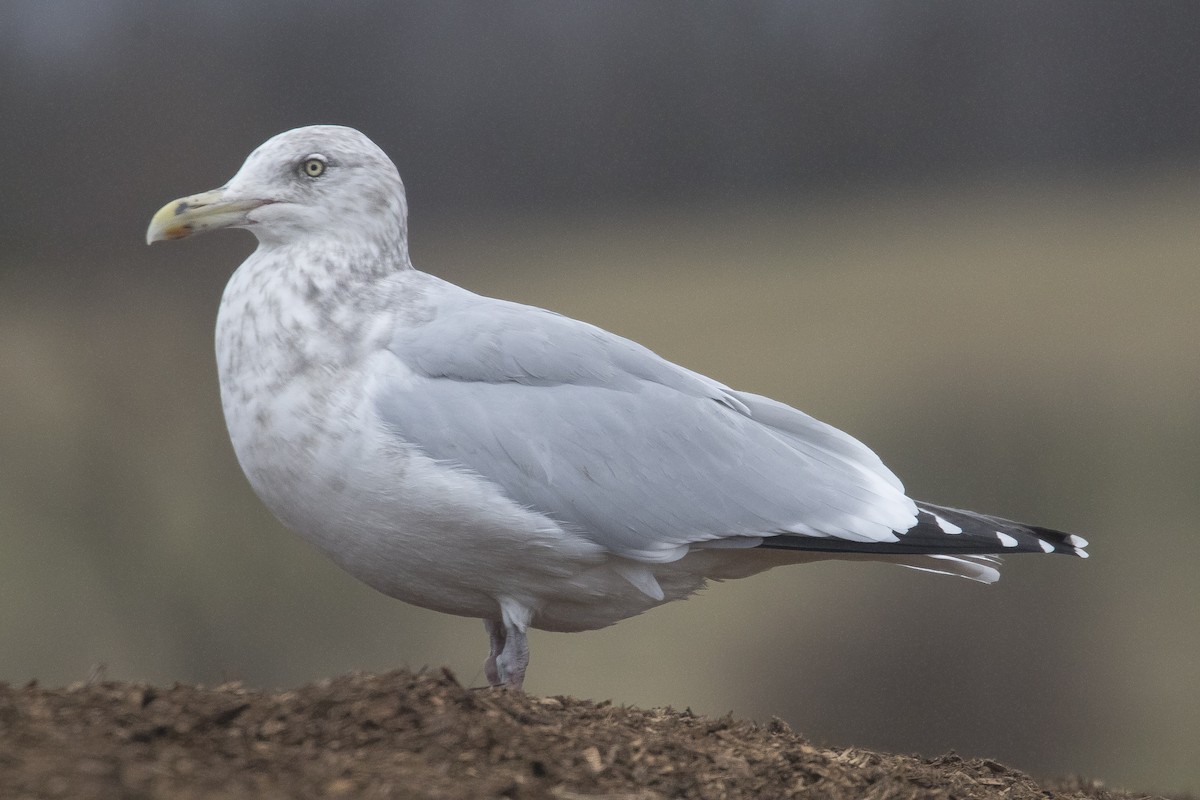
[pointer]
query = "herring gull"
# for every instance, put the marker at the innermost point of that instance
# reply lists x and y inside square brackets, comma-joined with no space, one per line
[495,460]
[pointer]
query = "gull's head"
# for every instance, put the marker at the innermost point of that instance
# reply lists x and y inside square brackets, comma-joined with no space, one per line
[323,180]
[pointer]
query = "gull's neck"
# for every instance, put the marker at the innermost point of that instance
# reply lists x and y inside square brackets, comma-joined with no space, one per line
[314,303]
[354,254]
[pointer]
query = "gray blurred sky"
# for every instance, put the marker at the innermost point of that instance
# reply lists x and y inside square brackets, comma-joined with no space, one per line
[575,105]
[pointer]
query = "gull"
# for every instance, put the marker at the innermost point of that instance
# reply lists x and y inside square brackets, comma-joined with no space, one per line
[489,459]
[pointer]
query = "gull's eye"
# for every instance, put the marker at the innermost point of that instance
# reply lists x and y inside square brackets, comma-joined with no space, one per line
[313,167]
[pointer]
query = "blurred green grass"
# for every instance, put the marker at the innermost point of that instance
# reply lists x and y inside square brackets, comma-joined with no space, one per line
[1027,350]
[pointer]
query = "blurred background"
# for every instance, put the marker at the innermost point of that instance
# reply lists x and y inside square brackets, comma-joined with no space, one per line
[966,233]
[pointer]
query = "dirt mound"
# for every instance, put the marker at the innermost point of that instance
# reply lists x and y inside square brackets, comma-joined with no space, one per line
[405,735]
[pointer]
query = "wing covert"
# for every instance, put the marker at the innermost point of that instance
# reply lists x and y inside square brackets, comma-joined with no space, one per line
[604,436]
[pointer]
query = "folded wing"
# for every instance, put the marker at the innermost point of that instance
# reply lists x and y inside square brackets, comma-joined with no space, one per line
[641,455]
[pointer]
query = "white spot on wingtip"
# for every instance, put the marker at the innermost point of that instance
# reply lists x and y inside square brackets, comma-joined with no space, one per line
[1006,540]
[1081,553]
[1076,541]
[1046,546]
[946,526]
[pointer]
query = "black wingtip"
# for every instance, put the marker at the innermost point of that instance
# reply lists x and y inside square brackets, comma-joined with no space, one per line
[996,534]
[941,530]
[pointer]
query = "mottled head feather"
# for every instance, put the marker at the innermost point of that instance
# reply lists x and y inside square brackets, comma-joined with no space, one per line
[357,198]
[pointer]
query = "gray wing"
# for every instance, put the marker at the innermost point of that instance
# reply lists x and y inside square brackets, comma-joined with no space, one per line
[639,454]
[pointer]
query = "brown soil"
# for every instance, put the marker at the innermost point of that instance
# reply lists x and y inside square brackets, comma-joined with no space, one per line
[405,735]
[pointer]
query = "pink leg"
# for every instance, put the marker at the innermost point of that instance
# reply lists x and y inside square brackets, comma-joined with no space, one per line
[496,637]
[508,657]
[514,659]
